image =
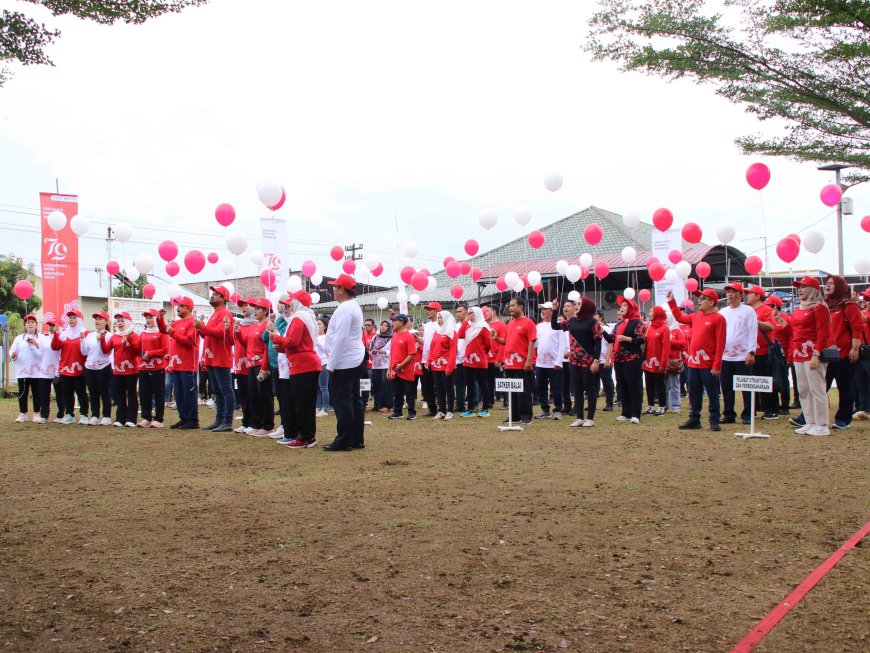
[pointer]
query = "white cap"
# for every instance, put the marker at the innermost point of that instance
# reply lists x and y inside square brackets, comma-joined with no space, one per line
[547,305]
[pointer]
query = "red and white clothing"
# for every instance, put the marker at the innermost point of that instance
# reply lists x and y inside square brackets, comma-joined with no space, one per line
[29,360]
[477,346]
[784,335]
[72,360]
[519,333]
[741,332]
[442,353]
[658,343]
[183,345]
[154,347]
[707,344]
[255,348]
[678,345]
[686,330]
[240,353]
[846,324]
[298,345]
[811,332]
[217,350]
[125,349]
[763,313]
[496,350]
[95,357]
[403,344]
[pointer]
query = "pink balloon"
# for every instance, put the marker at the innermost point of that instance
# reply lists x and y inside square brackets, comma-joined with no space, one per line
[349,266]
[691,285]
[592,233]
[795,238]
[692,233]
[272,287]
[663,219]
[675,256]
[601,269]
[194,261]
[447,260]
[309,268]
[753,264]
[378,270]
[703,269]
[425,271]
[643,295]
[225,214]
[865,223]
[787,249]
[23,289]
[172,268]
[476,274]
[267,278]
[337,253]
[584,273]
[538,287]
[149,290]
[471,247]
[168,250]
[280,203]
[656,272]
[757,175]
[406,273]
[536,239]
[212,257]
[419,281]
[112,267]
[501,284]
[464,267]
[453,269]
[235,297]
[831,195]
[651,260]
[456,291]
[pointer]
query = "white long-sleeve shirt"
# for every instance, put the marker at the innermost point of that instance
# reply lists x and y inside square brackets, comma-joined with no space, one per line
[344,342]
[548,343]
[50,357]
[741,332]
[95,359]
[430,328]
[29,362]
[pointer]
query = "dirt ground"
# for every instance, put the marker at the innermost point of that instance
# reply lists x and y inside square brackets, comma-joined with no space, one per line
[437,537]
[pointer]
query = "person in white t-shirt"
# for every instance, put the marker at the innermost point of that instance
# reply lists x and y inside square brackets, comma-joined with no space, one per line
[548,364]
[430,328]
[741,340]
[605,373]
[26,352]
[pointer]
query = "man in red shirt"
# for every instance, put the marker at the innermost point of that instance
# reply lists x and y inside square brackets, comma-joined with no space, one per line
[862,373]
[183,362]
[217,353]
[519,348]
[755,296]
[401,371]
[782,333]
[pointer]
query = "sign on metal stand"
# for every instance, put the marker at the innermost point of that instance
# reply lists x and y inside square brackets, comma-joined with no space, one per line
[752,384]
[365,385]
[510,386]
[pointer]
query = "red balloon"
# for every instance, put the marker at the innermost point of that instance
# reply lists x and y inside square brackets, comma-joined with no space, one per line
[168,250]
[584,273]
[476,274]
[23,289]
[651,260]
[212,257]
[272,287]
[425,271]
[795,238]
[865,223]
[267,278]
[538,288]
[643,295]
[280,203]
[225,214]
[703,269]
[675,256]
[349,266]
[235,297]
[787,249]
[112,267]
[691,285]
[337,253]
[447,260]
[471,247]
[753,264]
[172,268]
[419,281]
[692,233]
[501,284]
[149,290]
[757,175]
[456,291]
[601,269]
[831,195]
[453,269]
[378,271]
[194,261]
[464,267]
[592,233]
[406,273]
[536,239]
[663,219]
[656,272]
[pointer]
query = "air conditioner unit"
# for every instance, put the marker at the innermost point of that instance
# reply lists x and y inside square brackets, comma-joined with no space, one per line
[846,206]
[610,297]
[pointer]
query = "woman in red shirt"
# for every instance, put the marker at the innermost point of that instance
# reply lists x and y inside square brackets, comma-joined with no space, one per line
[124,344]
[811,333]
[259,384]
[71,367]
[655,364]
[862,374]
[847,330]
[442,362]
[782,333]
[154,349]
[676,363]
[626,355]
[478,342]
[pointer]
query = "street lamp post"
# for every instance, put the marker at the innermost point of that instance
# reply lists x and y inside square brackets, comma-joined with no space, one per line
[836,168]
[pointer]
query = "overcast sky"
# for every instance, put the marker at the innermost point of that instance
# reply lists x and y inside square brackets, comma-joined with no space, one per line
[364,112]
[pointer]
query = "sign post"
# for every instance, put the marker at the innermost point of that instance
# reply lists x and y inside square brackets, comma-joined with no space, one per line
[753,384]
[365,385]
[510,386]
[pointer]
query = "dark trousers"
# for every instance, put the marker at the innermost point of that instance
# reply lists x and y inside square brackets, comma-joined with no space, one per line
[59,395]
[303,406]
[605,375]
[42,399]
[382,391]
[445,393]
[656,389]
[629,377]
[427,389]
[72,387]
[242,397]
[221,381]
[26,387]
[99,384]
[730,369]
[184,386]
[843,372]
[404,392]
[348,406]
[862,386]
[262,401]
[700,381]
[202,382]
[549,378]
[151,387]
[128,402]
[285,406]
[768,402]
[477,387]
[521,402]
[783,395]
[585,385]
[568,387]
[459,387]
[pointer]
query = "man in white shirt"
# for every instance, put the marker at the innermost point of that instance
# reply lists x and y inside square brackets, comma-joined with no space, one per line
[605,373]
[346,365]
[427,384]
[548,364]
[741,340]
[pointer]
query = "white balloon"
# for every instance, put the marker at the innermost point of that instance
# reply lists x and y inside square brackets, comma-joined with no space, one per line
[487,219]
[361,270]
[269,193]
[574,296]
[629,255]
[573,273]
[725,233]
[230,286]
[553,181]
[79,224]
[813,241]
[371,261]
[684,269]
[628,293]
[294,283]
[56,220]
[402,296]
[414,299]
[520,286]
[631,220]
[132,273]
[174,290]
[382,303]
[534,278]
[123,232]
[586,260]
[144,263]
[409,249]
[511,279]
[227,266]
[671,275]
[256,256]
[236,242]
[316,278]
[561,266]
[523,215]
[862,266]
[431,284]
[315,298]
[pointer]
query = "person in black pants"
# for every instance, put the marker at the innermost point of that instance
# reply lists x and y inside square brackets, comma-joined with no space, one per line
[585,337]
[627,339]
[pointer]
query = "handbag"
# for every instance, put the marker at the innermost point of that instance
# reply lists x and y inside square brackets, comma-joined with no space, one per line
[864,352]
[675,366]
[830,354]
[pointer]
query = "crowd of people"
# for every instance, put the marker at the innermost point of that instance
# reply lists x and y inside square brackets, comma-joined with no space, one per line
[566,360]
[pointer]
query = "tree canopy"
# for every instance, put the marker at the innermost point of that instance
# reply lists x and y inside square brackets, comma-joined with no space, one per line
[25,39]
[806,62]
[12,270]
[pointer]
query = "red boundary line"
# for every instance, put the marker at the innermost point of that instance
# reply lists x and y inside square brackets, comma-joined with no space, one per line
[775,616]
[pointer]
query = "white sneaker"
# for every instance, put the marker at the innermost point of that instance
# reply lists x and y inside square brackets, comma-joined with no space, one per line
[35,418]
[448,416]
[439,415]
[58,420]
[210,403]
[240,429]
[806,428]
[171,404]
[557,414]
[156,425]
[819,430]
[250,430]
[21,418]
[576,422]
[83,420]
[261,433]
[68,419]
[94,421]
[145,423]
[589,422]
[277,434]
[106,421]
[119,424]
[130,425]
[239,418]
[40,420]
[676,411]
[622,418]
[634,420]
[319,413]
[859,415]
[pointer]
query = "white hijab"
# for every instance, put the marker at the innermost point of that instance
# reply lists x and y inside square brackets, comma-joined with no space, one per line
[71,332]
[448,328]
[301,312]
[478,325]
[814,298]
[673,325]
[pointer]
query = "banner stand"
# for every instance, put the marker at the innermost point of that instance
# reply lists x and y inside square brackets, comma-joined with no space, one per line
[753,384]
[365,385]
[510,386]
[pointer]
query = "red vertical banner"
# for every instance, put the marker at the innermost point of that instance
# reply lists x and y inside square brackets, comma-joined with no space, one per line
[60,258]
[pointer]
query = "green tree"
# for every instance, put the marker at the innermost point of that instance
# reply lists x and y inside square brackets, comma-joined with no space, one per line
[122,289]
[25,39]
[806,62]
[12,270]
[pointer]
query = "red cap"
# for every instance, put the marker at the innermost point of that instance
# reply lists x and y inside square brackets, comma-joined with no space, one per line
[183,301]
[774,300]
[812,282]
[865,294]
[75,312]
[49,321]
[303,297]
[286,300]
[153,312]
[262,302]
[758,290]
[29,316]
[736,285]
[434,306]
[709,293]
[221,290]
[345,281]
[103,315]
[125,315]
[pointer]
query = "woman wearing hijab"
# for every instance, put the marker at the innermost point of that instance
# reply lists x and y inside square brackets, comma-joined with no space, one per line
[262,401]
[154,349]
[379,351]
[627,356]
[656,359]
[584,345]
[98,371]
[847,331]
[71,367]
[676,363]
[811,334]
[125,368]
[26,351]
[478,342]
[442,363]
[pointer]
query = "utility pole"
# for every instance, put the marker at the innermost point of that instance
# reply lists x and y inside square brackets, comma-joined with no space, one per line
[353,249]
[109,258]
[836,168]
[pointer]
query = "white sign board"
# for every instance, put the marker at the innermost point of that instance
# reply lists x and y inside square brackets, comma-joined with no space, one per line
[508,385]
[753,383]
[365,385]
[663,243]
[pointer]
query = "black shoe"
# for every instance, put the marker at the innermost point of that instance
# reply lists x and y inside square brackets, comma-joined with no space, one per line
[746,420]
[413,416]
[222,428]
[795,406]
[770,416]
[361,446]
[728,420]
[189,426]
[784,411]
[334,447]
[394,416]
[527,420]
[178,424]
[607,409]
[691,425]
[714,426]
[211,427]
[797,421]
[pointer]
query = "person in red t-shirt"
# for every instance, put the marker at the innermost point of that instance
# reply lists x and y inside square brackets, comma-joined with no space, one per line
[442,363]
[782,333]
[71,367]
[862,374]
[401,372]
[521,333]
[755,296]
[262,400]
[153,350]
[847,328]
[183,362]
[478,341]
[125,368]
[676,363]
[217,355]
[655,364]
[496,351]
[811,325]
